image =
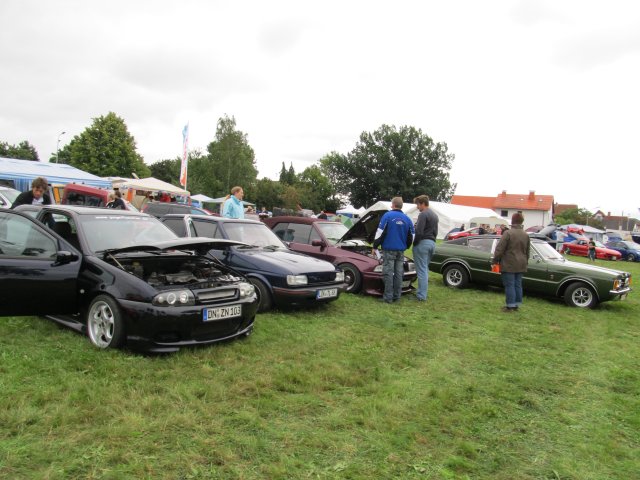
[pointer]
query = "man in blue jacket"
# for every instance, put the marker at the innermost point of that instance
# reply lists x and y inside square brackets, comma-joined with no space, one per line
[395,234]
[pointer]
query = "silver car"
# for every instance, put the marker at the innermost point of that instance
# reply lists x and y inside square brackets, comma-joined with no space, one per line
[8,195]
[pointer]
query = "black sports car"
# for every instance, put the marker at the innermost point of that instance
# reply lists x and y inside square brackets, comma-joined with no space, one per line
[121,277]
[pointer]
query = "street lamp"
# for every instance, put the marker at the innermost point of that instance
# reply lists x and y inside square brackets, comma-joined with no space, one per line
[58,146]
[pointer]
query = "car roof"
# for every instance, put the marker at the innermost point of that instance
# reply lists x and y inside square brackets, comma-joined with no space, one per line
[211,218]
[295,219]
[82,210]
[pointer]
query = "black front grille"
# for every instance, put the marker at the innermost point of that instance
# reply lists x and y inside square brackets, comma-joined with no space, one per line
[216,295]
[320,278]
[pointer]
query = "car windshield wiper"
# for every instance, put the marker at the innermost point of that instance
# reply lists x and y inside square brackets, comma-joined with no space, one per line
[247,246]
[272,247]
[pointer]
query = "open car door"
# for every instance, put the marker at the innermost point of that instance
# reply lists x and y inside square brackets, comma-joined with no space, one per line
[38,270]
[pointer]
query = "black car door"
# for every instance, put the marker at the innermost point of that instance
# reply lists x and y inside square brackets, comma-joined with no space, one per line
[36,277]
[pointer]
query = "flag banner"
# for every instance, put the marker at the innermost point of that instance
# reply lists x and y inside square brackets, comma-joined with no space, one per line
[183,166]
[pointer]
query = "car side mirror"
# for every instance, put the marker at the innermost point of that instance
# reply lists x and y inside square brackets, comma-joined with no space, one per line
[318,243]
[64,257]
[537,258]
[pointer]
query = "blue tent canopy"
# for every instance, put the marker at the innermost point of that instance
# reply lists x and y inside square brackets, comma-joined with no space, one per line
[22,172]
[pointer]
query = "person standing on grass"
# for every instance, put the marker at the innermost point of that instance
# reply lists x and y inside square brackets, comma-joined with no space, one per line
[512,254]
[233,207]
[395,234]
[424,244]
[592,250]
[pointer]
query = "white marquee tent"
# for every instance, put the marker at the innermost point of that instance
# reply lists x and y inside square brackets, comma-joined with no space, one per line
[450,216]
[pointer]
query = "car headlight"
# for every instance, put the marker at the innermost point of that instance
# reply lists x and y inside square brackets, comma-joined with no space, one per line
[174,298]
[296,279]
[246,290]
[616,284]
[340,276]
[378,269]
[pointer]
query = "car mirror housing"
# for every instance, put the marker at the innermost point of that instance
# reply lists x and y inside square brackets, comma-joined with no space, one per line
[318,243]
[64,256]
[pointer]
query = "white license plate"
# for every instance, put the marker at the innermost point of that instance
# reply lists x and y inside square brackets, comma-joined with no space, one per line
[327,293]
[220,313]
[406,283]
[623,296]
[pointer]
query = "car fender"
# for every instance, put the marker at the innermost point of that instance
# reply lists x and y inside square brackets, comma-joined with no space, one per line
[260,277]
[568,281]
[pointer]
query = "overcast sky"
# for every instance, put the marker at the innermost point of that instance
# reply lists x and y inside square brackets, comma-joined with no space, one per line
[528,95]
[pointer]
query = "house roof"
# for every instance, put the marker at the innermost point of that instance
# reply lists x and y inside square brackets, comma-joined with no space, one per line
[519,201]
[558,208]
[473,201]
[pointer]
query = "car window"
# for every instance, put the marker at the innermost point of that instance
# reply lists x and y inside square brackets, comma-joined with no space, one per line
[281,231]
[314,235]
[481,244]
[177,225]
[20,237]
[300,232]
[197,211]
[206,229]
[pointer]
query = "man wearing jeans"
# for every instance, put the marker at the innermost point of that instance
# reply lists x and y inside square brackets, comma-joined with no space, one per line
[424,244]
[395,234]
[512,254]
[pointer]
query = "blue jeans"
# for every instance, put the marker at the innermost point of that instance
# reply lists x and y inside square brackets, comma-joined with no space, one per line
[512,288]
[422,254]
[592,255]
[392,273]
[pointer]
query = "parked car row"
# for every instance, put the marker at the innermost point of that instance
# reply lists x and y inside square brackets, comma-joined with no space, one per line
[580,247]
[125,277]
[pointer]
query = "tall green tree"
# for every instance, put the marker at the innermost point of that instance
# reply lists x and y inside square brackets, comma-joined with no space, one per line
[580,216]
[392,162]
[167,170]
[23,151]
[106,149]
[268,193]
[321,193]
[232,160]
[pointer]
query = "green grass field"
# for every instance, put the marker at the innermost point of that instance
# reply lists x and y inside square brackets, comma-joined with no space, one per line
[450,389]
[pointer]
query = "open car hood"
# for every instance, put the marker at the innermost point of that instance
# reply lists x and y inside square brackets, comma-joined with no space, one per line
[365,228]
[200,244]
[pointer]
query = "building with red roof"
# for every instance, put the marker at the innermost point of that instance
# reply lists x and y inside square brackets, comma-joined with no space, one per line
[537,209]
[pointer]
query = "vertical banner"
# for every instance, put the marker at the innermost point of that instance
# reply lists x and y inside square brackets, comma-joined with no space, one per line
[185,155]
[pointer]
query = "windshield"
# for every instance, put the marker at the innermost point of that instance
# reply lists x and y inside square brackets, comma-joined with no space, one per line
[256,234]
[546,251]
[333,231]
[111,232]
[10,194]
[631,245]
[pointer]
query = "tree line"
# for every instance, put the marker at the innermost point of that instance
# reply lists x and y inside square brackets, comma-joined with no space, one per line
[385,163]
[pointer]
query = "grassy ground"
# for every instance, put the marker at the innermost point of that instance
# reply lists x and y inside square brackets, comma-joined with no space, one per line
[450,389]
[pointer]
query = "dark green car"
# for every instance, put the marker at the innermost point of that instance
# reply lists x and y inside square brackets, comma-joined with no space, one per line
[468,260]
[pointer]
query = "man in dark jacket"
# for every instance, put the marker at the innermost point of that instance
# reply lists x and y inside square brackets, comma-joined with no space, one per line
[512,254]
[395,234]
[36,196]
[424,244]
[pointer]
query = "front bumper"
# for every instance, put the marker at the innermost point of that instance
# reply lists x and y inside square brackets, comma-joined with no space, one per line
[167,329]
[285,296]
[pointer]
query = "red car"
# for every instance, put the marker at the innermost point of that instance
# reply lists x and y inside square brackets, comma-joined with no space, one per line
[348,248]
[465,233]
[580,247]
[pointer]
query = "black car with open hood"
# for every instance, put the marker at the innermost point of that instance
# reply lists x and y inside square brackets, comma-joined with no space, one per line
[121,277]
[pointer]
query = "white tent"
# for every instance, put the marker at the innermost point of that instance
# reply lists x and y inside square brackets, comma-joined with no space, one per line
[449,216]
[203,198]
[351,211]
[153,185]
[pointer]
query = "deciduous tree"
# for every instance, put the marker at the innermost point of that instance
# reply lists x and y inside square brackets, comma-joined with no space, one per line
[106,149]
[392,162]
[23,151]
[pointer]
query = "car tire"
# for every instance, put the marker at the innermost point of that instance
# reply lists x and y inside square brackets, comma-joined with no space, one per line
[567,251]
[265,302]
[352,277]
[105,324]
[631,257]
[455,276]
[580,295]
